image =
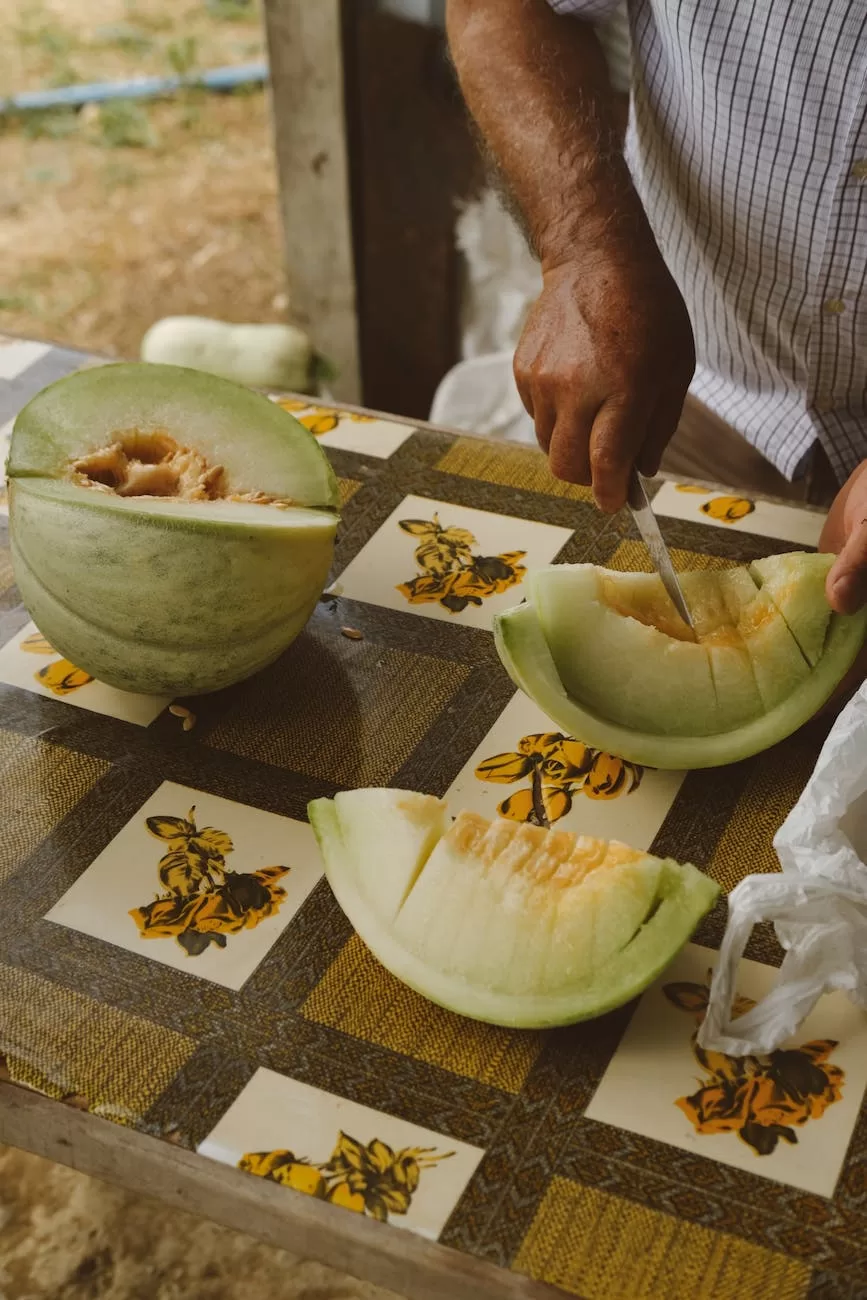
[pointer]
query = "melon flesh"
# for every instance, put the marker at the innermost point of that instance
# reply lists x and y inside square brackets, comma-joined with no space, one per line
[390,869]
[796,585]
[627,668]
[502,922]
[171,532]
[734,681]
[606,657]
[778,664]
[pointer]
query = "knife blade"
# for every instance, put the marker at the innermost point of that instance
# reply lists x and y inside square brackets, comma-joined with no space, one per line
[648,527]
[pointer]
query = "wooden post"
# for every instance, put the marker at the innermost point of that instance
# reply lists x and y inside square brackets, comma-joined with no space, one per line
[305,45]
[412,159]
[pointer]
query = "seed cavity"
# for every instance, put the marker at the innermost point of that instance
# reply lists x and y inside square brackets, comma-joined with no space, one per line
[136,464]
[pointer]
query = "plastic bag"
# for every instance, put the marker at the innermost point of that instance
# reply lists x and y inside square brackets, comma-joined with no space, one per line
[818,905]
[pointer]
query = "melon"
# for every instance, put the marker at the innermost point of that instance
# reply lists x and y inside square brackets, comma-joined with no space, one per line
[607,657]
[171,532]
[511,924]
[261,355]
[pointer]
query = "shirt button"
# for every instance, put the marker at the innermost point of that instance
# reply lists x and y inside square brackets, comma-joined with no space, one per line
[859,169]
[834,306]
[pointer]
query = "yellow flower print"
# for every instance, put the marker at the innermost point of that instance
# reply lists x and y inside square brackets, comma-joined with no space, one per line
[292,404]
[728,510]
[319,422]
[558,767]
[370,1179]
[285,1168]
[321,419]
[203,901]
[451,575]
[61,677]
[610,777]
[761,1098]
[524,805]
[37,644]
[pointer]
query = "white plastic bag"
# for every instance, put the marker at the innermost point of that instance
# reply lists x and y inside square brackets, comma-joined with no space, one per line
[480,395]
[818,905]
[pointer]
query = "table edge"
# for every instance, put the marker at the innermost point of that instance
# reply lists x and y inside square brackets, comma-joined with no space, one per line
[389,1257]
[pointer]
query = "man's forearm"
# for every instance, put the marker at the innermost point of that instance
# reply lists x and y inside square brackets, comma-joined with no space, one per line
[538,88]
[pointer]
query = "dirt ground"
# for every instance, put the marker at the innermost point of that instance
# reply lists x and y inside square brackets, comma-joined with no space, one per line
[109,219]
[66,1237]
[117,215]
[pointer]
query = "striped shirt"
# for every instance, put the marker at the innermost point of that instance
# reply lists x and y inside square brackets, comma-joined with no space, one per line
[748,146]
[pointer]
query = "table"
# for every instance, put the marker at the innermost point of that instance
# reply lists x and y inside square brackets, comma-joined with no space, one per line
[274,1077]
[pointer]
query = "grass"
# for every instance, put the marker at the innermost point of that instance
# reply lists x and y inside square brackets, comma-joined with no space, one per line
[125,124]
[124,212]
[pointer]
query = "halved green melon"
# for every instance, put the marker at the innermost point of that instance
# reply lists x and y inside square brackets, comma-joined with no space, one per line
[171,531]
[606,656]
[500,921]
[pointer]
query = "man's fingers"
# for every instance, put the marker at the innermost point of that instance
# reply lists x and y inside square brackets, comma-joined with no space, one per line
[617,436]
[846,587]
[569,453]
[544,417]
[660,431]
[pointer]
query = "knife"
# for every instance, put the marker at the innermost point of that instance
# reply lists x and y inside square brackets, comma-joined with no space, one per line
[648,527]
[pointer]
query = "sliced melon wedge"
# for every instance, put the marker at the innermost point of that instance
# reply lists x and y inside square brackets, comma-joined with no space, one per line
[607,658]
[501,922]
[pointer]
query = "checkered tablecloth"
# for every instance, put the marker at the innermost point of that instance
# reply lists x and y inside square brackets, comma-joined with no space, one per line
[611,1159]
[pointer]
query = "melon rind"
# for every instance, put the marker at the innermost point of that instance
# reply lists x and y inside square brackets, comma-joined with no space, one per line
[682,897]
[526,657]
[124,592]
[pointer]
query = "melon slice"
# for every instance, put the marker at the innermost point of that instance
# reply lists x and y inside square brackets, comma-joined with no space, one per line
[796,585]
[171,531]
[613,652]
[734,681]
[607,658]
[776,657]
[499,921]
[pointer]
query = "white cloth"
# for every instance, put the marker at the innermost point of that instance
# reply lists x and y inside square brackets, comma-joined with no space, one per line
[748,145]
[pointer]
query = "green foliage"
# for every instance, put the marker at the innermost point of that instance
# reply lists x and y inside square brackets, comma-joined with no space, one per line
[182,55]
[124,124]
[125,36]
[322,371]
[48,123]
[231,11]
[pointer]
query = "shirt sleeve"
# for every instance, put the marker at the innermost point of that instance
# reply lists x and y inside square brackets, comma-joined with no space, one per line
[593,10]
[612,27]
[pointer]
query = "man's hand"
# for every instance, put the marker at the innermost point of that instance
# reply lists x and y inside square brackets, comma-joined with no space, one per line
[604,364]
[845,533]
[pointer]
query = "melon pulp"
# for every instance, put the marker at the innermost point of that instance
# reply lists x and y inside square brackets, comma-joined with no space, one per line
[171,531]
[499,921]
[607,657]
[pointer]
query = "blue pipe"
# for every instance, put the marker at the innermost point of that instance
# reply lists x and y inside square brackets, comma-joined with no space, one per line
[244,74]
